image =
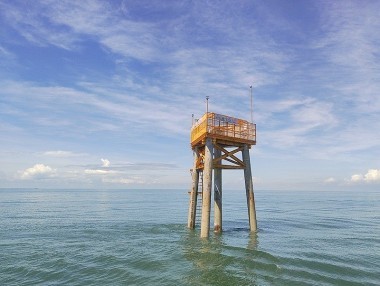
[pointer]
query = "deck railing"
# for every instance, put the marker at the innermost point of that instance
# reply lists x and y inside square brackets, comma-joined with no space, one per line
[223,127]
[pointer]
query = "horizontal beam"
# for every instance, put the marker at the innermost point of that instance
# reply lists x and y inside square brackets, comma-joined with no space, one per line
[220,166]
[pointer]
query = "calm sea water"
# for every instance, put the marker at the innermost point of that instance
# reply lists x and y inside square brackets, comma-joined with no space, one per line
[139,237]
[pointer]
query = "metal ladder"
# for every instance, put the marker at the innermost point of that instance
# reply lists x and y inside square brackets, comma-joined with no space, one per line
[199,197]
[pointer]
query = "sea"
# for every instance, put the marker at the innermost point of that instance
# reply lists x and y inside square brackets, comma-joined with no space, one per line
[140,237]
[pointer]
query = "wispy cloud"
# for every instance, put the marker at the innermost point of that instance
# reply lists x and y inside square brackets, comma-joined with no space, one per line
[62,154]
[133,72]
[350,46]
[186,66]
[5,53]
[99,172]
[133,180]
[333,104]
[73,105]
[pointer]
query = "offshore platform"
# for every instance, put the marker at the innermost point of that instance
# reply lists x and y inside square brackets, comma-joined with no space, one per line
[217,141]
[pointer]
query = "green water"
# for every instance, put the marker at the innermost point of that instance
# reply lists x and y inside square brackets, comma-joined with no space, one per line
[139,237]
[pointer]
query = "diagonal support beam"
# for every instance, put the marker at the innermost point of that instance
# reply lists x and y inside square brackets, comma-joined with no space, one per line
[232,158]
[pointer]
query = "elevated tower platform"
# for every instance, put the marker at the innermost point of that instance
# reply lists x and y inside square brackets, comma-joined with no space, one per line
[229,131]
[216,141]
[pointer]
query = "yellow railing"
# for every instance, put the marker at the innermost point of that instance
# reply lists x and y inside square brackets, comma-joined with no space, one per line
[223,127]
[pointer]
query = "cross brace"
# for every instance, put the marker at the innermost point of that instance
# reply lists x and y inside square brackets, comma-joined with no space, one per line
[228,156]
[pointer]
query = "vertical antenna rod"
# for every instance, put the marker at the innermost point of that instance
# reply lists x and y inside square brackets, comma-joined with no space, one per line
[207,97]
[251,104]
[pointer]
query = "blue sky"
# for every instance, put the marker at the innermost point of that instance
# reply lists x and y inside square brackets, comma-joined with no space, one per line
[99,94]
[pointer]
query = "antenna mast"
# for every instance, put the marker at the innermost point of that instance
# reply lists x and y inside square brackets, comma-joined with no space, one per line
[250,87]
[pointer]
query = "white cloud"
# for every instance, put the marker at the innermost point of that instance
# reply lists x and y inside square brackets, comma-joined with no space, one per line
[38,171]
[124,181]
[373,175]
[330,180]
[105,163]
[356,178]
[98,172]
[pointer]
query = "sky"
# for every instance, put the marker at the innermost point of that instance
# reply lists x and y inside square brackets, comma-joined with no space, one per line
[100,94]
